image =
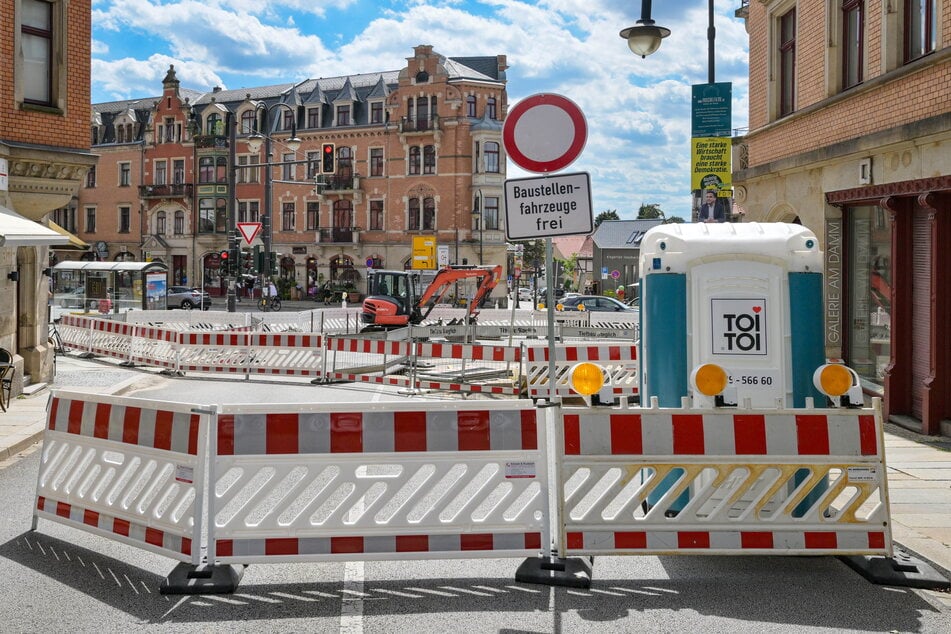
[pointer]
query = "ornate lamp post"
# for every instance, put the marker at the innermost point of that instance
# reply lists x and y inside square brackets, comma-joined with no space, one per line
[645,38]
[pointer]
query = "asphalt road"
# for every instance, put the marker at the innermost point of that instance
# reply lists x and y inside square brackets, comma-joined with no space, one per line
[59,578]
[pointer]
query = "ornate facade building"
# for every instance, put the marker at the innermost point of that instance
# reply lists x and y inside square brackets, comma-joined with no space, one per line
[44,157]
[359,166]
[850,126]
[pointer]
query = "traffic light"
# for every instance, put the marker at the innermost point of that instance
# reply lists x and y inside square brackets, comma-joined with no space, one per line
[224,263]
[273,262]
[327,158]
[259,258]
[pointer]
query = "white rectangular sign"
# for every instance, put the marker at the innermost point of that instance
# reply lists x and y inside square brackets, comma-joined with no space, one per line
[738,326]
[548,206]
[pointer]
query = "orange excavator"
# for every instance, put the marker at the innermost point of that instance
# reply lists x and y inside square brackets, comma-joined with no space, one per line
[393,297]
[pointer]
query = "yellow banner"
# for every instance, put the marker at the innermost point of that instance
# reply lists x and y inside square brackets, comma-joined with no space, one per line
[710,161]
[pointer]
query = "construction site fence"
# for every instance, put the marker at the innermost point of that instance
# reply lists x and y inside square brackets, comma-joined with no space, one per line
[417,358]
[418,479]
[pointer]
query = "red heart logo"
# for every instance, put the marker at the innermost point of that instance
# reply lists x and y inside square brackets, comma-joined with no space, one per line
[756,309]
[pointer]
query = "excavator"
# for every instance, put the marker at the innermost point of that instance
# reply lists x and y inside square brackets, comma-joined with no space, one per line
[394,301]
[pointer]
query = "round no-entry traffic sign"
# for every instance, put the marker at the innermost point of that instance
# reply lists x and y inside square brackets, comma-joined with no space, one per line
[544,133]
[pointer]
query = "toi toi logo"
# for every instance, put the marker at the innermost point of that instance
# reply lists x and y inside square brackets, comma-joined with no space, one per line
[739,326]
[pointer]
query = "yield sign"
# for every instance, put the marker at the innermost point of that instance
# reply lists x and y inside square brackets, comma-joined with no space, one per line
[249,230]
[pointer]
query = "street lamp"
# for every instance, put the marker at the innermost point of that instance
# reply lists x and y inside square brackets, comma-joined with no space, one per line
[645,38]
[254,144]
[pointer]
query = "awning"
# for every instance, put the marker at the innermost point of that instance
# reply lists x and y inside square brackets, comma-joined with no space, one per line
[74,242]
[17,231]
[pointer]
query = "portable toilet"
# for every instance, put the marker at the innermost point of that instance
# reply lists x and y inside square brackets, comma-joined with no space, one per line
[742,298]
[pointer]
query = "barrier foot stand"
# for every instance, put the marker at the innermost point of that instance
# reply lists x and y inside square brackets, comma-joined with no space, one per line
[904,570]
[573,572]
[203,579]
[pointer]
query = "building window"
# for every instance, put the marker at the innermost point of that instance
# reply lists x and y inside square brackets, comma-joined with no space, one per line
[869,291]
[287,119]
[376,161]
[490,212]
[287,216]
[376,215]
[429,159]
[787,63]
[206,215]
[491,109]
[313,117]
[179,228]
[313,164]
[206,169]
[160,223]
[491,157]
[853,49]
[343,115]
[412,215]
[288,173]
[125,172]
[214,125]
[414,166]
[125,217]
[91,177]
[161,172]
[921,29]
[221,215]
[90,220]
[247,211]
[120,134]
[168,131]
[178,171]
[376,112]
[471,106]
[429,214]
[249,122]
[36,50]
[313,215]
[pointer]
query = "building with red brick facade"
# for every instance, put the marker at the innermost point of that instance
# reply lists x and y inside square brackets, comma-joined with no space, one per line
[44,156]
[850,130]
[414,152]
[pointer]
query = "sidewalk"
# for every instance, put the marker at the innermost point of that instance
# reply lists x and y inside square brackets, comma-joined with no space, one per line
[919,472]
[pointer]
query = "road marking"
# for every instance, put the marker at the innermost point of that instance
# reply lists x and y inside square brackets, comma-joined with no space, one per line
[351,603]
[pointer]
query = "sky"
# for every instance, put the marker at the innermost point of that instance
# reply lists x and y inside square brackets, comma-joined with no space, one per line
[637,110]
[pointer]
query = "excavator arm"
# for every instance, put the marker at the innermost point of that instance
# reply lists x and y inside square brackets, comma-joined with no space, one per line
[488,277]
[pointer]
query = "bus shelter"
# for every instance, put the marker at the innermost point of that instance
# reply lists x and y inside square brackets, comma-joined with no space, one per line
[109,287]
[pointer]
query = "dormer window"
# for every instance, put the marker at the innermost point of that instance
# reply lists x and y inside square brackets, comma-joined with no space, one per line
[248,122]
[343,115]
[422,77]
[214,125]
[376,112]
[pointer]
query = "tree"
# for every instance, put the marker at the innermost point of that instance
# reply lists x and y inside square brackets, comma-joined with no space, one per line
[648,212]
[610,214]
[675,219]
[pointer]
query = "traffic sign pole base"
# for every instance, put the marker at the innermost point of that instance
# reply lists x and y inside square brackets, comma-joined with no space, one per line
[204,579]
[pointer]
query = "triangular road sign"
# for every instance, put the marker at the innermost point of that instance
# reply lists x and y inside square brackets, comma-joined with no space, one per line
[249,230]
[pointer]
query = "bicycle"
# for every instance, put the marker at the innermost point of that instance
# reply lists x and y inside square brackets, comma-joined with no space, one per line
[266,304]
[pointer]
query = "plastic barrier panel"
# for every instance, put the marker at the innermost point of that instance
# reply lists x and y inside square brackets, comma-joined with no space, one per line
[387,481]
[618,361]
[155,347]
[742,470]
[367,360]
[286,354]
[467,367]
[125,469]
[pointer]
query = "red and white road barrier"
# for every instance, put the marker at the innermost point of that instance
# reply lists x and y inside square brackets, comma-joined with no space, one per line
[784,482]
[618,361]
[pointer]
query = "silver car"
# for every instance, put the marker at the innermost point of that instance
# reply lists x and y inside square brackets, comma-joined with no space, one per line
[187,298]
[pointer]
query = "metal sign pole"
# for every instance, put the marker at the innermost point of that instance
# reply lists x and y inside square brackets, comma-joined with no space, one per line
[550,305]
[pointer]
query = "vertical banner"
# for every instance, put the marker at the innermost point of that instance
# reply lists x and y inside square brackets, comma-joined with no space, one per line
[711,170]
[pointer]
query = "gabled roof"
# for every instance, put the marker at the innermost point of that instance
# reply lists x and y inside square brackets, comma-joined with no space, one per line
[346,94]
[622,234]
[379,90]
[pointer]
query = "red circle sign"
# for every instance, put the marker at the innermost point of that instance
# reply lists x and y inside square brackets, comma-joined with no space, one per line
[544,133]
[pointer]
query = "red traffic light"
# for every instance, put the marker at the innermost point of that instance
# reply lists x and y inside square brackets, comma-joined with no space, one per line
[328,148]
[223,255]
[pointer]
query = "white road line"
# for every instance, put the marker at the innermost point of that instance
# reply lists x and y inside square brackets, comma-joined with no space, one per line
[351,603]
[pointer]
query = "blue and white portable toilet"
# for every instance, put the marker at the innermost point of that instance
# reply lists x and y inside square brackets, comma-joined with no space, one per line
[742,298]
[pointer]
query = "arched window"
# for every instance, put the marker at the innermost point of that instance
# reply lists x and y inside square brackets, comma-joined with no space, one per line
[214,125]
[429,214]
[414,160]
[179,228]
[160,223]
[413,215]
[206,169]
[471,106]
[490,108]
[249,124]
[429,159]
[491,154]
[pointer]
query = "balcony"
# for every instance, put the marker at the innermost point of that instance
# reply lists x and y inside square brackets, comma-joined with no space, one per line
[180,190]
[211,141]
[337,235]
[409,126]
[327,184]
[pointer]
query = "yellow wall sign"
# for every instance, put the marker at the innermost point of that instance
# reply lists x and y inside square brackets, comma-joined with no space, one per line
[710,166]
[424,252]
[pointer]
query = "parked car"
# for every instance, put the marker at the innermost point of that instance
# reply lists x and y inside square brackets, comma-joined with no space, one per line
[558,293]
[187,298]
[595,303]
